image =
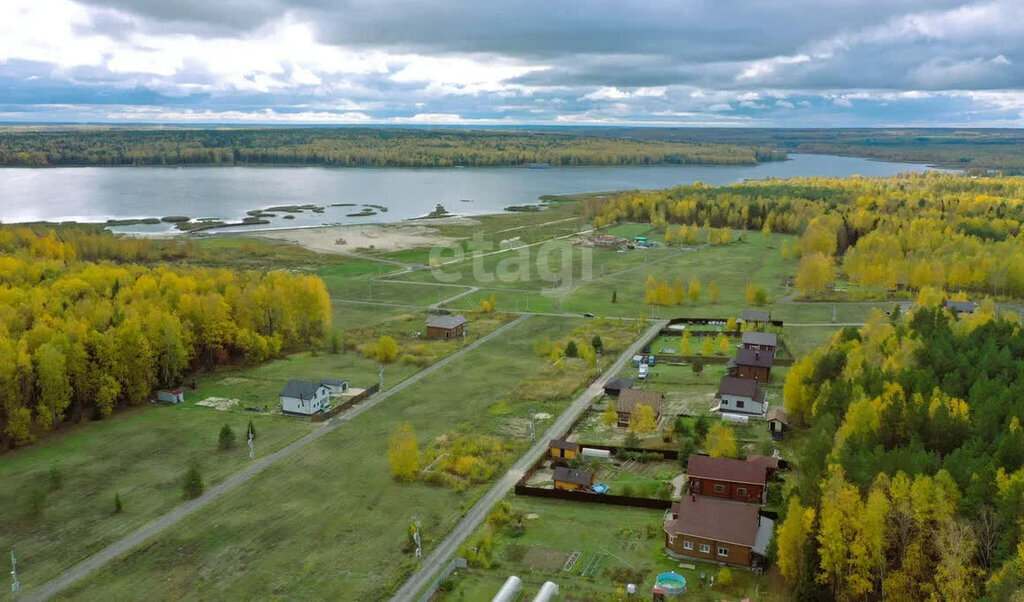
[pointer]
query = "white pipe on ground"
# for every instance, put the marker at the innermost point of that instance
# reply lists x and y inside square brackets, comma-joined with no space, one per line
[509,591]
[547,592]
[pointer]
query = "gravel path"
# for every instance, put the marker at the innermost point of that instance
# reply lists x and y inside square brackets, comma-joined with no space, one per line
[440,555]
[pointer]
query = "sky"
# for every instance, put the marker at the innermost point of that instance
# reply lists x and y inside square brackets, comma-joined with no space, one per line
[753,63]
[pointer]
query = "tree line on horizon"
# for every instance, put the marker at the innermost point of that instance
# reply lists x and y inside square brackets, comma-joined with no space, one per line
[84,329]
[354,147]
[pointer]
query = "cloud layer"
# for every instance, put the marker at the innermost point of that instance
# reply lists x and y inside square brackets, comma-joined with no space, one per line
[700,62]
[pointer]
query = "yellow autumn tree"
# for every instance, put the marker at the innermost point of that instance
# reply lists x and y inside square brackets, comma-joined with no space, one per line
[791,537]
[387,349]
[642,421]
[724,347]
[685,346]
[707,345]
[720,442]
[816,272]
[403,453]
[713,292]
[694,289]
[609,416]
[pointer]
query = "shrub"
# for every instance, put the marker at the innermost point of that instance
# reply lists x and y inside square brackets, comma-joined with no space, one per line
[446,585]
[118,504]
[701,426]
[724,577]
[627,490]
[697,366]
[56,477]
[193,483]
[227,437]
[35,501]
[597,343]
[631,440]
[571,350]
[515,552]
[626,574]
[407,359]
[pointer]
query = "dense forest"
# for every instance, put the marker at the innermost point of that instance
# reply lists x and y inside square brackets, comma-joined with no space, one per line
[911,480]
[902,233]
[85,329]
[353,147]
[973,149]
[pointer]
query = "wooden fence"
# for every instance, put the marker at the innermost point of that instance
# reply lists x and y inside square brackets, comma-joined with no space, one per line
[348,403]
[595,498]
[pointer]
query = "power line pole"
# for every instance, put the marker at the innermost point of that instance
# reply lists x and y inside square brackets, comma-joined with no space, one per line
[533,426]
[15,586]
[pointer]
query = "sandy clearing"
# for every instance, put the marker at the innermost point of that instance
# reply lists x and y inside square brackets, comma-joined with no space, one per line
[347,239]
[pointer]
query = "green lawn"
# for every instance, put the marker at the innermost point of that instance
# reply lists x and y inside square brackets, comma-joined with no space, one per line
[330,522]
[607,537]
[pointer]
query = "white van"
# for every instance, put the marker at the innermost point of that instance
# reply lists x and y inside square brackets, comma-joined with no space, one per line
[643,371]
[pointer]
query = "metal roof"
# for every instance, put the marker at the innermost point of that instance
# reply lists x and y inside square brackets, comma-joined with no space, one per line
[727,469]
[753,357]
[573,475]
[766,339]
[715,519]
[445,321]
[300,389]
[756,315]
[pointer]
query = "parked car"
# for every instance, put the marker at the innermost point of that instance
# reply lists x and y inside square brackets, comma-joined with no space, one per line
[588,315]
[643,371]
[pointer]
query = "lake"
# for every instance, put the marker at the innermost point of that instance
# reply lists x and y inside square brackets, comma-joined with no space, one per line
[96,194]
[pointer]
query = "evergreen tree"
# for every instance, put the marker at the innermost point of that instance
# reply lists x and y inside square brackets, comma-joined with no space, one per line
[192,487]
[227,437]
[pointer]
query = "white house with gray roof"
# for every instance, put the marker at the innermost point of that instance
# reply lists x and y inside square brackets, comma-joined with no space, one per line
[304,397]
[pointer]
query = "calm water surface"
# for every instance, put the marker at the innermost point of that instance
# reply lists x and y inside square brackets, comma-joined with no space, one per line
[96,194]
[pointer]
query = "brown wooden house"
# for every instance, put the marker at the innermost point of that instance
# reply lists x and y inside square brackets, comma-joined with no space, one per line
[629,399]
[441,326]
[560,448]
[572,479]
[761,341]
[752,364]
[718,531]
[727,478]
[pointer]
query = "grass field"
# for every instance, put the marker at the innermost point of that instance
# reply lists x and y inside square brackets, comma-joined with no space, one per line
[607,537]
[141,454]
[330,522]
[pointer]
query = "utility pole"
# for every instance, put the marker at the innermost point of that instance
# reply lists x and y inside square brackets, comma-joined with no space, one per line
[533,426]
[381,377]
[416,536]
[252,449]
[15,586]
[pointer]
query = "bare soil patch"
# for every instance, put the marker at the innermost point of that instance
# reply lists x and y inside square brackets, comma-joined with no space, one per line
[349,239]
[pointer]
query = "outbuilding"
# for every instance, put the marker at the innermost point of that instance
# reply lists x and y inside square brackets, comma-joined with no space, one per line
[443,326]
[778,421]
[960,307]
[757,317]
[335,385]
[615,386]
[171,396]
[560,448]
[305,398]
[740,396]
[572,479]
